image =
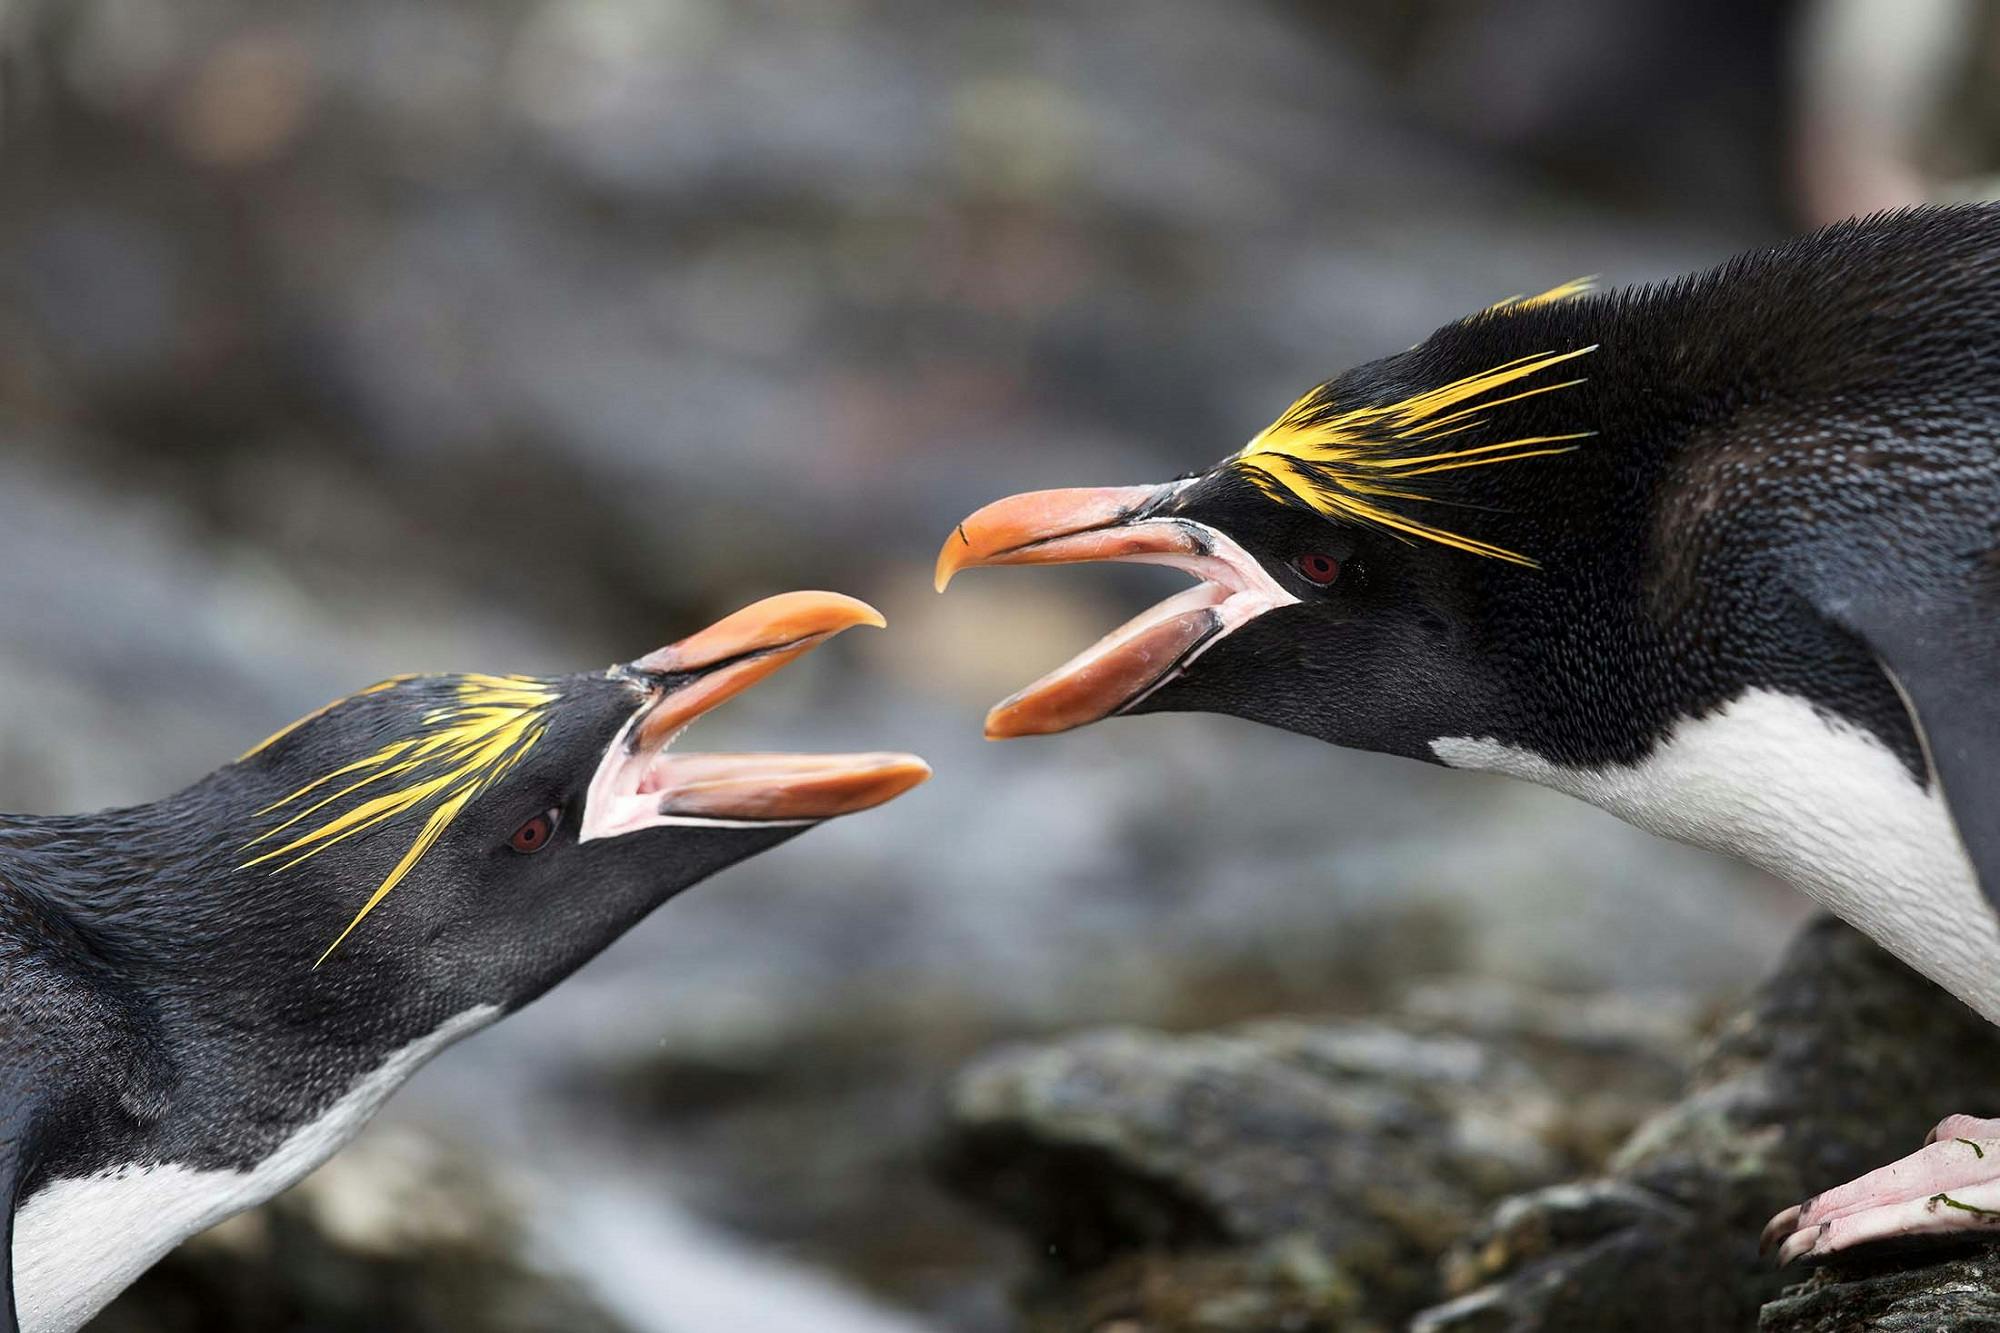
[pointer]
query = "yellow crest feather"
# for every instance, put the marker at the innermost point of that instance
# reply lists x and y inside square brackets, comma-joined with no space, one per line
[1343,463]
[1565,291]
[458,750]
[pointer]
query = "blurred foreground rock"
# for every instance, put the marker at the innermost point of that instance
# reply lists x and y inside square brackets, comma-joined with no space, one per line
[1296,1177]
[1292,1175]
[395,1233]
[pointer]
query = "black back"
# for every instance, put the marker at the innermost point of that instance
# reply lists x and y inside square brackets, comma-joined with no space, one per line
[1803,424]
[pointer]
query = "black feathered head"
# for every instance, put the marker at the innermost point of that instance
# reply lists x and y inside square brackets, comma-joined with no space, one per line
[511,826]
[1329,548]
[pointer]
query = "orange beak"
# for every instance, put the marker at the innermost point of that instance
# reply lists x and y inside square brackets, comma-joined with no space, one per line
[1112,523]
[741,649]
[642,783]
[1050,528]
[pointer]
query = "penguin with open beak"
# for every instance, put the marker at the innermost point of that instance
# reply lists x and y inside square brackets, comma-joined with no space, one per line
[202,998]
[1720,555]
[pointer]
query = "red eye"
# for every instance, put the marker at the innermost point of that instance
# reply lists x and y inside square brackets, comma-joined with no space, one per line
[1320,569]
[535,834]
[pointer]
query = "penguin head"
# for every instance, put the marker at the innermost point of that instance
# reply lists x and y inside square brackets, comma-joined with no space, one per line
[1353,559]
[489,834]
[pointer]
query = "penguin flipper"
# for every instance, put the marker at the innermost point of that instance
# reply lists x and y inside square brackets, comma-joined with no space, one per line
[1944,655]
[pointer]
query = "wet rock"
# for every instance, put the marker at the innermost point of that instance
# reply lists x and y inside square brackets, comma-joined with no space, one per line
[1888,1295]
[397,1232]
[1840,1062]
[1279,1175]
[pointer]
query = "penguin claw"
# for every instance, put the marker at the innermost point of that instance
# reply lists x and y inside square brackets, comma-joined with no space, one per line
[1778,1228]
[1800,1244]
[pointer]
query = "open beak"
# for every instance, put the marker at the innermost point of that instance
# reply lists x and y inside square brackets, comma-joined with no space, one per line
[1131,523]
[643,783]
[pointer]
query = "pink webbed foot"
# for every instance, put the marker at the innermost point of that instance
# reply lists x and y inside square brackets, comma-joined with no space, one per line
[1950,1184]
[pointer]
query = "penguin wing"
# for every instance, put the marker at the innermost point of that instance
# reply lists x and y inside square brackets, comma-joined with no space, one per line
[1944,655]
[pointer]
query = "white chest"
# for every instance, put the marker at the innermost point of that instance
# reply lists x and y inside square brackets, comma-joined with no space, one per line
[1818,802]
[78,1243]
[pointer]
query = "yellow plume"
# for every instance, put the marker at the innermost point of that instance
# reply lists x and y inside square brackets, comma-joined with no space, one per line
[1343,463]
[1565,291]
[457,751]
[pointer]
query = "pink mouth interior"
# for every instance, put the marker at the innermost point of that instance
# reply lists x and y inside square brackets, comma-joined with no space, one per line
[1150,649]
[654,786]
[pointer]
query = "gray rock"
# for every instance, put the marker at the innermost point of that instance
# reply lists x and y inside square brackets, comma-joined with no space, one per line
[1959,1295]
[1278,1175]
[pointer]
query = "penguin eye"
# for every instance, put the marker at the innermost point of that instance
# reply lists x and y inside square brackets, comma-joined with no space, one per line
[535,834]
[1319,569]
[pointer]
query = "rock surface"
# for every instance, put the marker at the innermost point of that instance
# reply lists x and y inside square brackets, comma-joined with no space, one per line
[1283,1174]
[1339,1175]
[1958,1295]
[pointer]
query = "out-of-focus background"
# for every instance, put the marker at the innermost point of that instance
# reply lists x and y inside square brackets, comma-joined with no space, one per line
[339,340]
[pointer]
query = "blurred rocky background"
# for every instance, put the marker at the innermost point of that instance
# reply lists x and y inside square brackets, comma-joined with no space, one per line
[400,335]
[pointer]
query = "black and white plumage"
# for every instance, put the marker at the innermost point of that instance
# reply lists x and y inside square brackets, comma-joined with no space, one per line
[179,1039]
[1721,555]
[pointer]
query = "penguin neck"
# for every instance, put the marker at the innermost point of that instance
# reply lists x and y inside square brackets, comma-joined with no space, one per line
[207,968]
[199,1065]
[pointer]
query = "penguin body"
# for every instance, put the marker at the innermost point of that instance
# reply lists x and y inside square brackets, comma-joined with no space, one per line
[201,999]
[1813,799]
[81,1239]
[1721,555]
